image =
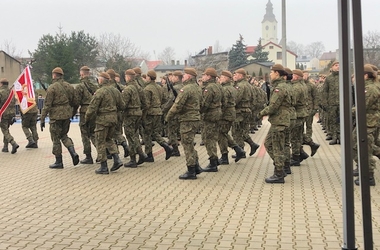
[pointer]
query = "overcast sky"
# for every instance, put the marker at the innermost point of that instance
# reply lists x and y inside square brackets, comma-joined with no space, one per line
[188,26]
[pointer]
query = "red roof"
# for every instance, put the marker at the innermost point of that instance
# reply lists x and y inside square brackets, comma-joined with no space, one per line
[275,44]
[250,49]
[152,64]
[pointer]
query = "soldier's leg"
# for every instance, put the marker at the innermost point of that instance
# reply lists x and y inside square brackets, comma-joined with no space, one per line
[278,142]
[308,130]
[237,130]
[101,135]
[268,143]
[211,132]
[110,140]
[129,130]
[222,138]
[25,125]
[148,130]
[188,130]
[156,133]
[33,127]
[67,142]
[85,135]
[55,129]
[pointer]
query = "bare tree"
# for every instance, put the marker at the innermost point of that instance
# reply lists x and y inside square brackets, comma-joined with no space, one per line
[298,49]
[315,49]
[9,48]
[371,44]
[167,55]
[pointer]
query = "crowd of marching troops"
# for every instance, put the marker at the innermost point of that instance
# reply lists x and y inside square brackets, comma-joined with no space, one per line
[226,106]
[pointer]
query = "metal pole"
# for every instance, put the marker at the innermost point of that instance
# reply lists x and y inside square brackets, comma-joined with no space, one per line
[346,126]
[361,124]
[284,59]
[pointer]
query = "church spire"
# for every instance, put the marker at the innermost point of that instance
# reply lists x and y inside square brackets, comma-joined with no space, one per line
[269,16]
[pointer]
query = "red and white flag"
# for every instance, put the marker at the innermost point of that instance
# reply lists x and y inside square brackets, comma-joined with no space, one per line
[24,91]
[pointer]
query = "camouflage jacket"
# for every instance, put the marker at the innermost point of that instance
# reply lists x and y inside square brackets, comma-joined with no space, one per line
[312,95]
[279,104]
[187,104]
[84,92]
[140,81]
[243,97]
[141,93]
[292,109]
[331,90]
[154,98]
[211,107]
[228,104]
[300,94]
[131,99]
[104,105]
[170,100]
[59,101]
[4,93]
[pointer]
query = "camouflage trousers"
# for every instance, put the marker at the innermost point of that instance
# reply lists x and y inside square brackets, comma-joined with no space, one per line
[4,125]
[173,128]
[87,132]
[58,133]
[188,131]
[105,140]
[29,126]
[371,142]
[308,129]
[225,140]
[152,130]
[287,131]
[296,136]
[119,137]
[131,130]
[240,130]
[210,135]
[333,121]
[275,146]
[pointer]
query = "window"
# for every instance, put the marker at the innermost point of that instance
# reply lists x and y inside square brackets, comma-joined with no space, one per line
[271,47]
[279,55]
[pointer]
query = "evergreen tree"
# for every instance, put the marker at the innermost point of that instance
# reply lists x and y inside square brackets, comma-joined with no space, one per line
[259,55]
[253,74]
[237,55]
[301,68]
[261,72]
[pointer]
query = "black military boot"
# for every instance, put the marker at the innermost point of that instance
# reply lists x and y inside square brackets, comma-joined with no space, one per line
[168,150]
[58,163]
[295,160]
[74,155]
[15,146]
[31,143]
[175,150]
[329,138]
[87,160]
[224,160]
[103,168]
[117,163]
[35,145]
[253,145]
[149,158]
[303,155]
[240,153]
[277,177]
[287,169]
[371,180]
[314,147]
[190,174]
[142,158]
[5,148]
[132,163]
[355,172]
[198,168]
[109,156]
[126,149]
[212,167]
[333,141]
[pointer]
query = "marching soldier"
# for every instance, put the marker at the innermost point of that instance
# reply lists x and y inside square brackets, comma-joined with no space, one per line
[29,126]
[59,105]
[103,108]
[7,119]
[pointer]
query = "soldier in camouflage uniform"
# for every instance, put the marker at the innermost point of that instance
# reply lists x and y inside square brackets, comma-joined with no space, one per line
[59,104]
[29,126]
[84,92]
[119,137]
[372,101]
[132,118]
[104,107]
[227,119]
[140,81]
[331,102]
[300,95]
[187,107]
[312,107]
[7,118]
[244,99]
[211,111]
[152,117]
[279,117]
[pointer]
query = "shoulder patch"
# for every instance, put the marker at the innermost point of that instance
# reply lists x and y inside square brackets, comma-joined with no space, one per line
[236,87]
[181,90]
[205,90]
[276,90]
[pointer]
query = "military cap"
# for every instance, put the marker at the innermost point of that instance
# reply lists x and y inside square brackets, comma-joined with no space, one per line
[335,62]
[278,67]
[241,71]
[4,80]
[297,72]
[170,73]
[288,71]
[210,72]
[112,73]
[130,72]
[226,73]
[177,73]
[104,75]
[58,70]
[137,70]
[85,68]
[373,67]
[152,73]
[190,71]
[305,71]
[117,75]
[368,69]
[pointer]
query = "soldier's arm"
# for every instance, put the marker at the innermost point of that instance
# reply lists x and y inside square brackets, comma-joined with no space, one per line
[178,105]
[48,102]
[206,100]
[93,107]
[276,99]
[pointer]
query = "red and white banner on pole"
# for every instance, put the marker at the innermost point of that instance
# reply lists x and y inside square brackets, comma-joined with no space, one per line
[24,91]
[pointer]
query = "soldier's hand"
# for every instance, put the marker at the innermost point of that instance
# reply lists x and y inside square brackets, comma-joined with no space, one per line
[13,120]
[42,124]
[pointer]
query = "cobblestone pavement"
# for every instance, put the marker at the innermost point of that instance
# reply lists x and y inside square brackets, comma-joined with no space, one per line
[150,208]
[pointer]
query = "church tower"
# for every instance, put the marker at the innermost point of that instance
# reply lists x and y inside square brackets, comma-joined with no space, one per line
[269,26]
